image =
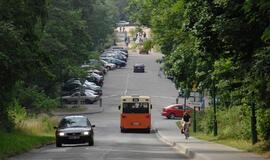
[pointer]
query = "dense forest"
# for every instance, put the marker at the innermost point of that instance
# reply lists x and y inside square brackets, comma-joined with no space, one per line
[43,43]
[221,47]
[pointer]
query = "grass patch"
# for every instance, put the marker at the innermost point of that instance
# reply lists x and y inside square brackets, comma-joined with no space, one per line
[18,142]
[29,134]
[260,148]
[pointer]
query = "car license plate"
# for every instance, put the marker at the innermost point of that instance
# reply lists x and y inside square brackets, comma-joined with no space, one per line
[74,137]
[136,123]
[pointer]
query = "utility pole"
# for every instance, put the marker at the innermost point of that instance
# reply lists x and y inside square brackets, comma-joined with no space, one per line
[194,120]
[185,99]
[253,122]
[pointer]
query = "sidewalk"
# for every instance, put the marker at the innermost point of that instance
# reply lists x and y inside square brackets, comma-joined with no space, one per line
[202,150]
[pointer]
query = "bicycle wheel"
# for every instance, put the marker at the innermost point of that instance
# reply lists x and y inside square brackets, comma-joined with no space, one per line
[186,132]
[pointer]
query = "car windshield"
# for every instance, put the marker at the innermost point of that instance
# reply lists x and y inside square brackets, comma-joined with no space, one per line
[136,107]
[73,122]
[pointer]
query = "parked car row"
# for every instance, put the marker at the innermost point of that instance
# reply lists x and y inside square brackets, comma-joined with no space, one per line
[115,55]
[88,90]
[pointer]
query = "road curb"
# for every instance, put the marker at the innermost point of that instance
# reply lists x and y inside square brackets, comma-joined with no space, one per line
[181,148]
[78,113]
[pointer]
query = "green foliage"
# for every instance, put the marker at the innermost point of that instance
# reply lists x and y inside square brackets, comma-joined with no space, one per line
[32,98]
[30,132]
[222,44]
[234,122]
[44,43]
[19,142]
[205,121]
[17,112]
[147,45]
[264,123]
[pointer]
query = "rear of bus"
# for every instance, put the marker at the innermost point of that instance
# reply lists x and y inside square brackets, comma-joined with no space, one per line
[135,113]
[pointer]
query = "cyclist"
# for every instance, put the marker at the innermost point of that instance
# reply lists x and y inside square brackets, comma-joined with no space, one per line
[186,121]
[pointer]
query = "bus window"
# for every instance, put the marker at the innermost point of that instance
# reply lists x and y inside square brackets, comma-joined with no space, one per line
[136,107]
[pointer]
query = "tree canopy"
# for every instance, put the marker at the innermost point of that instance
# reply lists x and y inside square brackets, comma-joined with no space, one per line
[45,42]
[224,43]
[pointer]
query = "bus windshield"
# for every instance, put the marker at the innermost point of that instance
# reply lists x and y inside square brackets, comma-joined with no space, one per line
[141,107]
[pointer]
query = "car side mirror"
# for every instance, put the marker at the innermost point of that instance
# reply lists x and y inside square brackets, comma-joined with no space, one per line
[93,126]
[151,106]
[119,107]
[55,127]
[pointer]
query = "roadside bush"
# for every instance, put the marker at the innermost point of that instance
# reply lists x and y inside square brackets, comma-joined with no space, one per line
[232,123]
[17,112]
[148,45]
[41,124]
[205,121]
[263,119]
[32,98]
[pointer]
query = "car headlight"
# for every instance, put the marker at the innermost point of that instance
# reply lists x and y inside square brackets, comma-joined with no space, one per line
[86,133]
[61,133]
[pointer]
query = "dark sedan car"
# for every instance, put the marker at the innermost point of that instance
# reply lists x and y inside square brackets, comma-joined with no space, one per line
[117,62]
[73,130]
[138,68]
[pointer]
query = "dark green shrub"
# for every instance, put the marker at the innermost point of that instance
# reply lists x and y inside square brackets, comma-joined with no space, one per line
[263,119]
[32,98]
[234,122]
[205,121]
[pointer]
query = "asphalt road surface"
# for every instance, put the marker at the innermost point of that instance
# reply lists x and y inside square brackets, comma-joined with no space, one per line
[110,144]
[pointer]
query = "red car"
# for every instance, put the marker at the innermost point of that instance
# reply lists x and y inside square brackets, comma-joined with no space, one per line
[175,110]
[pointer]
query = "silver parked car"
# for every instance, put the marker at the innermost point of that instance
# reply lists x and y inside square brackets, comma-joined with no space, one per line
[84,97]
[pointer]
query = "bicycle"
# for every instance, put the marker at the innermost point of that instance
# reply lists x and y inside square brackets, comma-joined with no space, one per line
[186,130]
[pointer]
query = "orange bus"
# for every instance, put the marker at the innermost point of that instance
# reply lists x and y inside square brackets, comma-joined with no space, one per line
[135,113]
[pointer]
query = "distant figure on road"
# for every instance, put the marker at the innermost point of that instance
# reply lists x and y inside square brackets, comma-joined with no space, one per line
[127,41]
[144,35]
[159,72]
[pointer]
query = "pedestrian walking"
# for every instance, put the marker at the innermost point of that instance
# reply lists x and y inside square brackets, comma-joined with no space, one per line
[144,35]
[127,41]
[159,72]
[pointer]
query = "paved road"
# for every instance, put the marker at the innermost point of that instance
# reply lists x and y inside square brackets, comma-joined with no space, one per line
[109,142]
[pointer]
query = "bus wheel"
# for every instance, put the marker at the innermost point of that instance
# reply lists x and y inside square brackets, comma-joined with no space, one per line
[148,130]
[171,116]
[123,130]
